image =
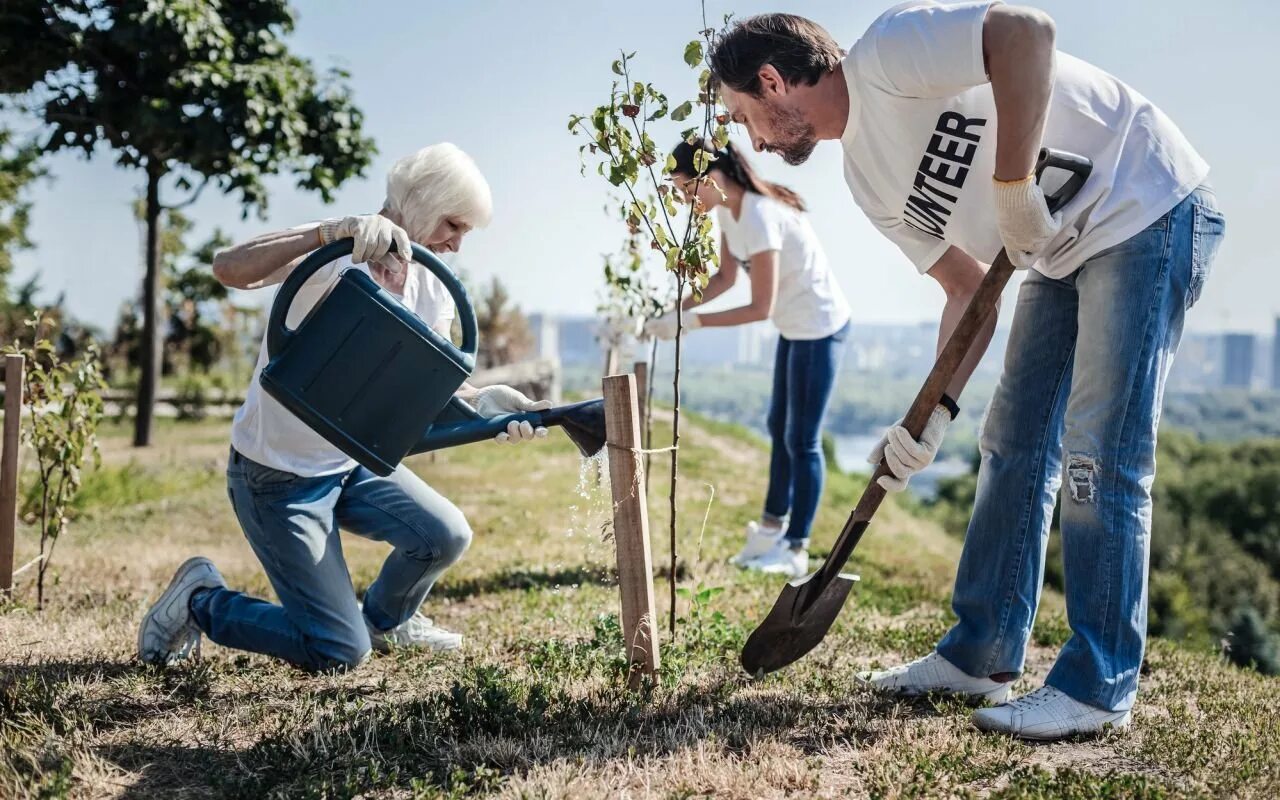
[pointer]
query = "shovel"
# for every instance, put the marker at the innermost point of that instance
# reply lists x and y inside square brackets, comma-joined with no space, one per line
[808,606]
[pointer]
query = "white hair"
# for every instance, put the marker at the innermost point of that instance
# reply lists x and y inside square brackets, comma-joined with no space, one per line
[436,182]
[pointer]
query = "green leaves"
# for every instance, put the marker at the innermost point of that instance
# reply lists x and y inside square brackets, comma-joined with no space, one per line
[693,53]
[63,406]
[214,94]
[681,112]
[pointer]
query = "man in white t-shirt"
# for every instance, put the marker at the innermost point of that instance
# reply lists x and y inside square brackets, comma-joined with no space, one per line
[291,489]
[941,111]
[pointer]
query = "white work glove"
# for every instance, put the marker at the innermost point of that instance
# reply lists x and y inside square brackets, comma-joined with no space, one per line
[373,234]
[905,456]
[664,327]
[1026,226]
[493,401]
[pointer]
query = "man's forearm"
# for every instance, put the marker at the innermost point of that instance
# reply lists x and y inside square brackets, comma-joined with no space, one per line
[951,314]
[1019,48]
[264,260]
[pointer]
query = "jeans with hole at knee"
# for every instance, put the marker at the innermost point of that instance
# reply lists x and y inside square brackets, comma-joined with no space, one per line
[1075,412]
[804,375]
[292,524]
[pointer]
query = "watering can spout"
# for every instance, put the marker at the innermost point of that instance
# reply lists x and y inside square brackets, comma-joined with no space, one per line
[459,424]
[584,425]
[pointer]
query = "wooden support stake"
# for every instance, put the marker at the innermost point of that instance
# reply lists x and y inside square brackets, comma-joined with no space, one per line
[642,402]
[631,526]
[14,375]
[642,392]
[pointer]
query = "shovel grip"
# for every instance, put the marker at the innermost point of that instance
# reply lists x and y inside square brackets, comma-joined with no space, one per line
[980,307]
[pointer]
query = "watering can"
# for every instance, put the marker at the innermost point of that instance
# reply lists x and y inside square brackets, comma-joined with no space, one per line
[377,382]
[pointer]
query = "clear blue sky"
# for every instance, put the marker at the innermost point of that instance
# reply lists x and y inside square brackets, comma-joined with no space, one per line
[500,77]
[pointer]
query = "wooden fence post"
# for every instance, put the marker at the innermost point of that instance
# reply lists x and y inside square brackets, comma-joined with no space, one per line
[14,375]
[631,526]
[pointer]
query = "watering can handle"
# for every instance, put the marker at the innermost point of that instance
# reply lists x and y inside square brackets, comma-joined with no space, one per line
[279,335]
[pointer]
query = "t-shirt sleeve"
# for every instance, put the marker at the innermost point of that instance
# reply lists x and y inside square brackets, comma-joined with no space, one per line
[925,49]
[922,249]
[762,228]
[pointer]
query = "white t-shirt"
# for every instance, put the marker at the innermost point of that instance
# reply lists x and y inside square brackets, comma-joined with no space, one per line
[809,304]
[919,146]
[268,433]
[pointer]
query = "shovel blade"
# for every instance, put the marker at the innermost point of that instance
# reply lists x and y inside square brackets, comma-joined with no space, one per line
[796,624]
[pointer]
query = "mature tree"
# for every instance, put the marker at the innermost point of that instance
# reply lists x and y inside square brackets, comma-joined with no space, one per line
[190,92]
[19,168]
[505,336]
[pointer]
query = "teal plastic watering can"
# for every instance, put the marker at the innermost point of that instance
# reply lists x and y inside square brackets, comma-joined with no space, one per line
[378,382]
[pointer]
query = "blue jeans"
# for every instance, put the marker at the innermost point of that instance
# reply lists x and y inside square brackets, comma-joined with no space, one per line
[1081,392]
[804,375]
[292,524]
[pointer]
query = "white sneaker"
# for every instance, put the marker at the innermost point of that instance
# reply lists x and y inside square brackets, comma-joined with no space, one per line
[781,560]
[167,634]
[416,631]
[1048,714]
[760,540]
[933,673]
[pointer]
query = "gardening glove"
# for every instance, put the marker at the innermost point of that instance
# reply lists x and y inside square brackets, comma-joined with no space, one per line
[664,327]
[374,234]
[1022,215]
[905,456]
[493,401]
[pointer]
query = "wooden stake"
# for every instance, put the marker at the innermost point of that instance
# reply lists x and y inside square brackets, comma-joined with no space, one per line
[642,392]
[14,374]
[631,526]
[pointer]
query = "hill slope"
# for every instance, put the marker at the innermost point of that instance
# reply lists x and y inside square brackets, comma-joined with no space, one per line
[532,706]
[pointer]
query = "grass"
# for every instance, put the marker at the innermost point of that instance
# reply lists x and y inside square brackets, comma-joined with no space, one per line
[535,704]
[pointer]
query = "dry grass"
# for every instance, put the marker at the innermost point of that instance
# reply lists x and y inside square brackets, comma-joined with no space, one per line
[534,706]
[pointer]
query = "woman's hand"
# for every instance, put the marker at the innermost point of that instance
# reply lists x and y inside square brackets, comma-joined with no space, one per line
[664,327]
[493,401]
[373,234]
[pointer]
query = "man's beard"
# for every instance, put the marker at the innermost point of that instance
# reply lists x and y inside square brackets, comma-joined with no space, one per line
[794,138]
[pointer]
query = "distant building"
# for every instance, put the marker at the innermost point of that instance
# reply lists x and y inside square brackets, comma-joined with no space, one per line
[1198,367]
[1237,360]
[1275,358]
[546,336]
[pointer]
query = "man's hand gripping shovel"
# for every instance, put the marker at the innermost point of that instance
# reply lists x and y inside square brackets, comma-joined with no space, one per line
[808,606]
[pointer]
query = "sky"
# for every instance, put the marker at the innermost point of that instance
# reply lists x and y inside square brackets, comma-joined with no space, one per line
[499,78]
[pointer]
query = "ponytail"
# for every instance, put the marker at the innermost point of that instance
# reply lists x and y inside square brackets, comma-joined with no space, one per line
[736,168]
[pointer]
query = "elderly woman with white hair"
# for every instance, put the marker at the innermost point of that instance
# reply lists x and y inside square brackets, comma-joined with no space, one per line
[291,490]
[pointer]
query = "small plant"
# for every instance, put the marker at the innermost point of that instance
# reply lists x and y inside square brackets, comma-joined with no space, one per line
[63,401]
[712,630]
[654,211]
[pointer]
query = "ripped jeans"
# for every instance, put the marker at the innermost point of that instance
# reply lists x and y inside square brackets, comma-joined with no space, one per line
[1079,399]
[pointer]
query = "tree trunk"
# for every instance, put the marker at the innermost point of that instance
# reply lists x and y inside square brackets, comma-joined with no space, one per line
[675,445]
[151,350]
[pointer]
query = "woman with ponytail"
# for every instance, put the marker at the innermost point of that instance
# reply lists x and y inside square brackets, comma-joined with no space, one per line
[765,232]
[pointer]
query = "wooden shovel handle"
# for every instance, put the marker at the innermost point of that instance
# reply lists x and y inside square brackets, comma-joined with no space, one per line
[981,306]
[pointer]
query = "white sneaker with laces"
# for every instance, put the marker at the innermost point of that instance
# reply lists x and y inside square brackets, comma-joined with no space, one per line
[781,560]
[1048,714]
[933,673]
[416,631]
[760,540]
[167,634]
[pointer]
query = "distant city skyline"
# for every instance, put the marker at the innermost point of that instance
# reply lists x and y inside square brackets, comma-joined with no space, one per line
[1207,360]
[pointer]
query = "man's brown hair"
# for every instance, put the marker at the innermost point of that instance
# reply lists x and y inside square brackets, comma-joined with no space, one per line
[800,49]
